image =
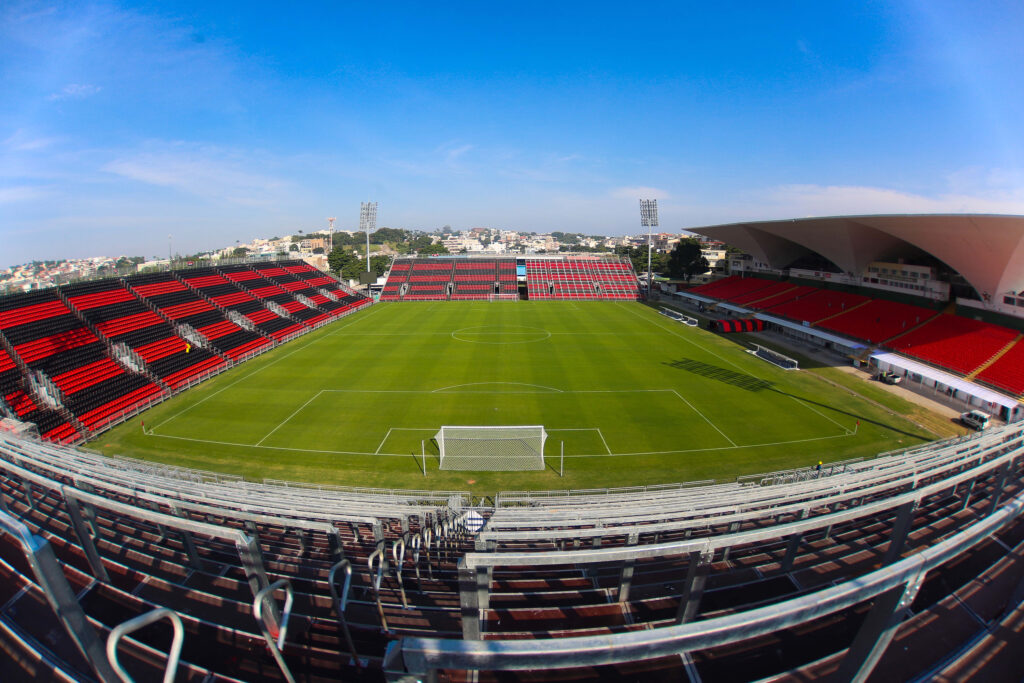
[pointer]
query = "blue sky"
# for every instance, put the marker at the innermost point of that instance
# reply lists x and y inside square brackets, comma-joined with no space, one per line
[123,123]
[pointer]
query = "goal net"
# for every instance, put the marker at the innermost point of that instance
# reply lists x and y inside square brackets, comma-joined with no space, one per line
[493,449]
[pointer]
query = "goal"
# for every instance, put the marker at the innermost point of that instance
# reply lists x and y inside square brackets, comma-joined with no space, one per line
[492,449]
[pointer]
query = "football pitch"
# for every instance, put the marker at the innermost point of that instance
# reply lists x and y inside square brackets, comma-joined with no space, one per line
[631,396]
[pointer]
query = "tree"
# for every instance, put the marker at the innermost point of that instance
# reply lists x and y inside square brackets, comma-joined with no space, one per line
[338,259]
[318,250]
[383,235]
[240,252]
[437,248]
[293,247]
[686,260]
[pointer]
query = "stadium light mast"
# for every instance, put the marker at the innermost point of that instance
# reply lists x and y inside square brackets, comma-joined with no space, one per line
[649,220]
[330,234]
[367,223]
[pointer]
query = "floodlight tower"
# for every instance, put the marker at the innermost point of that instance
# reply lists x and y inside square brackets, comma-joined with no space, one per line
[649,220]
[367,223]
[330,234]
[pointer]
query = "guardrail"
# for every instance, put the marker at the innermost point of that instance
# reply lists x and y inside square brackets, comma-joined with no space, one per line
[893,587]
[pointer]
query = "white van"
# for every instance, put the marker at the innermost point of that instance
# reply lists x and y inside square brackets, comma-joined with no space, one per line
[976,419]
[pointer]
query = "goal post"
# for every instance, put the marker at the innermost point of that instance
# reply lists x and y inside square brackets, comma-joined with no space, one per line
[492,449]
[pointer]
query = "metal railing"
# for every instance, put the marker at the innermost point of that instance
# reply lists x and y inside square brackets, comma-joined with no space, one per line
[892,588]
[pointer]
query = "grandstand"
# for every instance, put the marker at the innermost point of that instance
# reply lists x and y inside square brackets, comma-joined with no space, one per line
[905,565]
[983,351]
[908,563]
[480,278]
[868,254]
[78,359]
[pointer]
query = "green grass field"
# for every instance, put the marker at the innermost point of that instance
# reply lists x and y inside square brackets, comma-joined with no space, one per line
[636,398]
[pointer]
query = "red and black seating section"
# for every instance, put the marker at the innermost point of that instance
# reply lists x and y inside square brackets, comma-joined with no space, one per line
[474,279]
[578,278]
[224,335]
[18,402]
[175,360]
[49,338]
[259,289]
[429,280]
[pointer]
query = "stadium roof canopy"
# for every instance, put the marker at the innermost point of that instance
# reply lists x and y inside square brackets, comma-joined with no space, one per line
[987,250]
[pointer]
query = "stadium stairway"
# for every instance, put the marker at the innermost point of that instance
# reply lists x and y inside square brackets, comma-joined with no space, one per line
[994,358]
[843,312]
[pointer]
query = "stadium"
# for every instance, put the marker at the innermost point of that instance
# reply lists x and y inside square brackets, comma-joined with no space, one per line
[521,468]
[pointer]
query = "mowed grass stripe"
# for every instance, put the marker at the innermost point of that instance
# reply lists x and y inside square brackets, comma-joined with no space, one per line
[694,404]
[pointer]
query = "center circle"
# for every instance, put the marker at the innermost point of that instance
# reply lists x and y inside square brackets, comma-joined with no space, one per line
[501,334]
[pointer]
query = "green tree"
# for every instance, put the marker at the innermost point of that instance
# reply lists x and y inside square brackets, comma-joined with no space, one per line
[293,247]
[438,248]
[240,252]
[339,258]
[686,260]
[383,235]
[318,250]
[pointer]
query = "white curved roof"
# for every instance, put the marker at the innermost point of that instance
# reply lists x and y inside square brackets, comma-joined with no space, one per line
[987,250]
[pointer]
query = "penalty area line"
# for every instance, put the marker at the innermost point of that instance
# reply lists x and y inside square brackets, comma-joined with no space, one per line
[264,367]
[275,448]
[715,448]
[705,418]
[297,411]
[406,455]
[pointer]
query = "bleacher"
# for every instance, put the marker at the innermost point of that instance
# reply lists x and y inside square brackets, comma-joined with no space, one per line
[962,345]
[224,335]
[784,296]
[817,306]
[878,320]
[474,279]
[397,276]
[733,286]
[507,278]
[429,280]
[16,401]
[768,575]
[579,278]
[78,359]
[56,346]
[169,355]
[277,326]
[953,342]
[333,290]
[1007,372]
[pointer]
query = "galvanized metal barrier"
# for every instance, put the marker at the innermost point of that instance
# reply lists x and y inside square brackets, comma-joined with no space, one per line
[891,588]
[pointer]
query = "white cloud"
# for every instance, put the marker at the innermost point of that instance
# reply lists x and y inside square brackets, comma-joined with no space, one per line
[21,193]
[212,173]
[837,200]
[75,91]
[24,141]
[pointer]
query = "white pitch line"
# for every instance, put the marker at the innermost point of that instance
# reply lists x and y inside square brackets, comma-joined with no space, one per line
[713,425]
[726,360]
[406,455]
[262,368]
[717,448]
[812,408]
[381,444]
[601,434]
[477,384]
[312,398]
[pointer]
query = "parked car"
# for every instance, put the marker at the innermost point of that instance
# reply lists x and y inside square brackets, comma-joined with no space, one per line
[890,377]
[976,419]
